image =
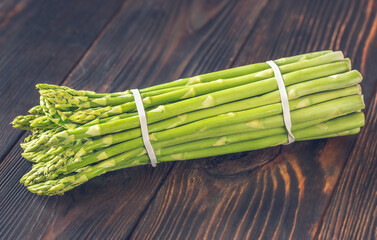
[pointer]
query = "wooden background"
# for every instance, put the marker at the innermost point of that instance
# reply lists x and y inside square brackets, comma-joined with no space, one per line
[324,189]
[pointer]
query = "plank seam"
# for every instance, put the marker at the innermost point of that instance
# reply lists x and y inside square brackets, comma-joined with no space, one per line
[129,236]
[74,66]
[242,46]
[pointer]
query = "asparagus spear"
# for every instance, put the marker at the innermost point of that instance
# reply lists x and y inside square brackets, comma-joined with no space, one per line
[191,90]
[301,89]
[205,101]
[250,118]
[204,144]
[23,122]
[297,90]
[78,135]
[59,186]
[235,72]
[56,102]
[47,171]
[294,91]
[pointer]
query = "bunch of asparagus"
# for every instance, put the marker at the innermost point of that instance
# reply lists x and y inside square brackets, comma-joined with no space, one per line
[78,135]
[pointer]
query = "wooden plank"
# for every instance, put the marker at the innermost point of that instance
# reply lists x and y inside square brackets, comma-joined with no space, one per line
[226,198]
[352,210]
[41,41]
[351,213]
[147,42]
[105,207]
[279,192]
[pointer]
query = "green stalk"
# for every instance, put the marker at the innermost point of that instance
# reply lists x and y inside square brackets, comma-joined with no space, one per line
[337,125]
[201,102]
[255,117]
[350,121]
[294,91]
[234,72]
[274,109]
[221,84]
[65,101]
[338,134]
[166,87]
[44,86]
[51,170]
[326,109]
[59,186]
[78,135]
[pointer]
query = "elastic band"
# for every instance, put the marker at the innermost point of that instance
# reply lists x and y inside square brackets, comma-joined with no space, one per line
[144,126]
[284,100]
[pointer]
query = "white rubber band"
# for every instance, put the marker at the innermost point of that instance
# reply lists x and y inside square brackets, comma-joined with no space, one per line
[144,126]
[284,100]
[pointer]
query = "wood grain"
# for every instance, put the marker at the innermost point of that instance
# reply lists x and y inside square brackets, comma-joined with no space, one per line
[147,42]
[86,213]
[351,214]
[286,197]
[353,209]
[270,201]
[277,193]
[41,41]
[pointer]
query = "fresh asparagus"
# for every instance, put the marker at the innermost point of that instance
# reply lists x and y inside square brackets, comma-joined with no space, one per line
[79,134]
[206,101]
[59,186]
[191,90]
[323,84]
[295,91]
[58,103]
[257,118]
[235,72]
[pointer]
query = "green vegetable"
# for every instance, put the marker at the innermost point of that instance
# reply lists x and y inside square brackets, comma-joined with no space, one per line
[78,135]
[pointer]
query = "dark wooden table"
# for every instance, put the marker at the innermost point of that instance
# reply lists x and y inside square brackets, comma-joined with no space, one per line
[324,189]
